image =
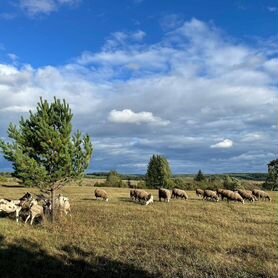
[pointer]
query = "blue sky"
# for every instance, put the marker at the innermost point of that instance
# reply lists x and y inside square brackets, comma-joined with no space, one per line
[195,80]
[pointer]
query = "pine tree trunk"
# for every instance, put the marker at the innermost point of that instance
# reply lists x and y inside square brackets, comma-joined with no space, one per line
[52,205]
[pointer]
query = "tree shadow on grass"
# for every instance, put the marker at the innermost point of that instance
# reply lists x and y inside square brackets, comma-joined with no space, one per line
[13,186]
[28,259]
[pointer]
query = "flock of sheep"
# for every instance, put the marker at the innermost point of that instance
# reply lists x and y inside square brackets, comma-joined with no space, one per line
[147,198]
[41,206]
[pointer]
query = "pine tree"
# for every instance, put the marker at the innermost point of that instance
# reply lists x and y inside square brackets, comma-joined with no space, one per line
[199,176]
[43,151]
[271,182]
[158,172]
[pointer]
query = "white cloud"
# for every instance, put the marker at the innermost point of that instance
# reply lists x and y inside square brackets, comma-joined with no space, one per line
[139,35]
[171,21]
[127,116]
[225,144]
[206,88]
[17,109]
[36,7]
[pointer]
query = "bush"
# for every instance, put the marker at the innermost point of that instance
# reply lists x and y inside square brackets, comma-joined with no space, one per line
[114,180]
[231,183]
[141,184]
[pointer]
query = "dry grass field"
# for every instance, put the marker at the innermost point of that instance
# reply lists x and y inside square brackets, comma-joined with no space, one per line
[121,238]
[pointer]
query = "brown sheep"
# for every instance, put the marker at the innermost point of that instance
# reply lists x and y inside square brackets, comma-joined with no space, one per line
[210,195]
[144,196]
[178,193]
[261,194]
[246,195]
[233,196]
[200,192]
[224,193]
[101,194]
[164,194]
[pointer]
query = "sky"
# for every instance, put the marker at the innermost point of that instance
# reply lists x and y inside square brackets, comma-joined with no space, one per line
[194,81]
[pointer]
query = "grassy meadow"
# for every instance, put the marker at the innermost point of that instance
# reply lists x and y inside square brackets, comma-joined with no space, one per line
[121,238]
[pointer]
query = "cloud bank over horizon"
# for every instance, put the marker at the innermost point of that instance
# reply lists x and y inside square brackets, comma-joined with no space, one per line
[199,97]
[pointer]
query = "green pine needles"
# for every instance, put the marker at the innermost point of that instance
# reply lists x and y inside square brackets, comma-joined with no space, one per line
[43,150]
[158,172]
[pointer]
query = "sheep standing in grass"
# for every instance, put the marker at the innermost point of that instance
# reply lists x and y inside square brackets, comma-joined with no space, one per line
[63,205]
[35,211]
[261,194]
[178,193]
[164,194]
[200,192]
[101,194]
[210,195]
[246,195]
[144,196]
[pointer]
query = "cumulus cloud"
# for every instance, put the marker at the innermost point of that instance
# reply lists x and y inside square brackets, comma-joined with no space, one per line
[127,116]
[182,94]
[36,7]
[225,144]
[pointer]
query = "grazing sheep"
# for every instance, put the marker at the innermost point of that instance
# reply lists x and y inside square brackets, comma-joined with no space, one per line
[164,194]
[178,193]
[261,194]
[233,196]
[35,211]
[210,195]
[144,196]
[224,193]
[246,195]
[101,194]
[200,192]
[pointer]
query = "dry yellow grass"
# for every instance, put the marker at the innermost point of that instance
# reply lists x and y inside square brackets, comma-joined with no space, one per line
[122,238]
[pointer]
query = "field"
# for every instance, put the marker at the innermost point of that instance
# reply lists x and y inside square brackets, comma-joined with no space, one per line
[121,238]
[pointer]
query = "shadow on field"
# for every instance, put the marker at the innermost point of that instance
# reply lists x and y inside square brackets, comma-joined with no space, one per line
[126,199]
[89,199]
[28,259]
[12,186]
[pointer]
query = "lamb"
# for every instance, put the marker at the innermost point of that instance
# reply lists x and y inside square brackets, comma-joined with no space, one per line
[261,194]
[144,196]
[246,194]
[210,195]
[164,194]
[178,193]
[35,211]
[101,194]
[200,192]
